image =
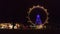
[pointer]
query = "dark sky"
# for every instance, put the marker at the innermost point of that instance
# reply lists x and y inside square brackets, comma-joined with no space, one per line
[16,11]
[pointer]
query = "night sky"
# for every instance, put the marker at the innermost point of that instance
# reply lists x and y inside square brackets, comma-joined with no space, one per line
[16,11]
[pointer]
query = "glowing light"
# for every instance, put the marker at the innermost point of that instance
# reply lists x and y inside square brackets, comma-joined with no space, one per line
[17,26]
[6,26]
[39,26]
[44,26]
[38,19]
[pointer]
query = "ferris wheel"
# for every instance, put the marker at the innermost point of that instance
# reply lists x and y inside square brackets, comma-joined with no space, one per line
[38,23]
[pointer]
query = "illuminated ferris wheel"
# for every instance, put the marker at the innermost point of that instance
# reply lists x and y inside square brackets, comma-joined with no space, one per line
[40,15]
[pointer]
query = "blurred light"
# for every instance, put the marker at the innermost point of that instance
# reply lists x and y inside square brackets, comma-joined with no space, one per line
[17,26]
[6,26]
[44,26]
[38,19]
[39,26]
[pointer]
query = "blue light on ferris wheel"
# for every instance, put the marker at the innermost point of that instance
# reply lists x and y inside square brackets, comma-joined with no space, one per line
[38,19]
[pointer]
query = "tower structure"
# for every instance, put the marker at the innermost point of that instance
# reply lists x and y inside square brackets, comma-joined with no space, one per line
[38,20]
